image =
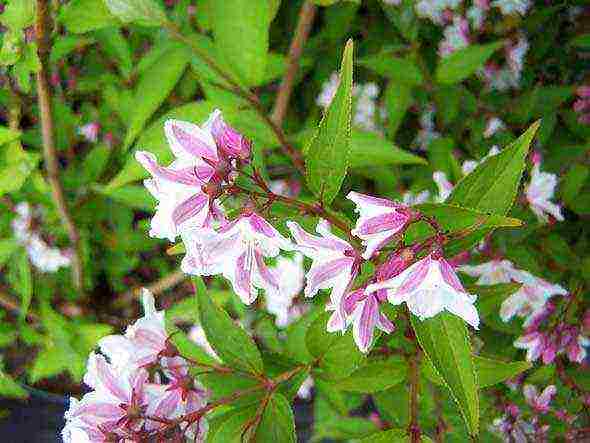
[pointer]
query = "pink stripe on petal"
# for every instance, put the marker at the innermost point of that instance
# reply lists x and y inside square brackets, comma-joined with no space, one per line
[243,272]
[363,199]
[365,324]
[384,222]
[351,300]
[261,226]
[415,276]
[189,208]
[185,176]
[264,271]
[327,271]
[191,143]
[307,240]
[110,382]
[449,275]
[385,324]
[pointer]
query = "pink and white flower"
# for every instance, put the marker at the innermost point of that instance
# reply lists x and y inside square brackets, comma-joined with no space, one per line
[539,193]
[428,287]
[290,274]
[144,342]
[335,266]
[186,189]
[90,131]
[456,36]
[509,7]
[237,250]
[469,166]
[493,125]
[539,401]
[379,221]
[445,187]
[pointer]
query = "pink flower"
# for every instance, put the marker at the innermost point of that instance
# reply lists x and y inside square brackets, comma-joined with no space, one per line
[231,143]
[186,189]
[237,250]
[90,131]
[379,221]
[428,287]
[535,345]
[539,402]
[540,191]
[335,265]
[456,36]
[144,342]
[116,406]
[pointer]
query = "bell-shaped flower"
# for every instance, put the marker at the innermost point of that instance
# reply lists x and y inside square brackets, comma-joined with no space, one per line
[117,404]
[539,193]
[365,315]
[237,250]
[528,301]
[144,341]
[536,345]
[230,142]
[335,265]
[185,189]
[379,221]
[428,287]
[539,401]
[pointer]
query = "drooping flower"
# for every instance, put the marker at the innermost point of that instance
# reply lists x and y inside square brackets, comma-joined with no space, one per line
[186,189]
[455,37]
[528,301]
[335,265]
[379,220]
[237,250]
[144,341]
[539,401]
[539,193]
[428,287]
[290,275]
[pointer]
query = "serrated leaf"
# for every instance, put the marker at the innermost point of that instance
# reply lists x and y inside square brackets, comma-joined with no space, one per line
[327,154]
[445,341]
[277,423]
[464,62]
[230,341]
[240,28]
[400,70]
[491,372]
[493,185]
[79,16]
[164,73]
[375,376]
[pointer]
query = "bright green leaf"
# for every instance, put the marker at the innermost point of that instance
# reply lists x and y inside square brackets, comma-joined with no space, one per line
[375,376]
[398,99]
[491,372]
[230,341]
[79,16]
[371,149]
[277,423]
[142,12]
[400,70]
[464,62]
[327,154]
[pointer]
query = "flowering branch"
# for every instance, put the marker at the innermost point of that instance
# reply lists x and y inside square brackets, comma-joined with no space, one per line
[42,31]
[306,17]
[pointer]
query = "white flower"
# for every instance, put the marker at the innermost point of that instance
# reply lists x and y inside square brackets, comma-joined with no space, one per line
[279,300]
[364,114]
[455,36]
[469,166]
[411,199]
[428,132]
[539,193]
[445,187]
[509,7]
[493,125]
[428,287]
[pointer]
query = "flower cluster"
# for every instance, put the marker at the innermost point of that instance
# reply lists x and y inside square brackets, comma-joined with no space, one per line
[140,387]
[582,105]
[208,159]
[42,256]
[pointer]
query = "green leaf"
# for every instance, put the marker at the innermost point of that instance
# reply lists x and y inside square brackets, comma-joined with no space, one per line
[8,135]
[400,70]
[155,84]
[79,16]
[95,162]
[116,46]
[398,99]
[25,284]
[18,14]
[491,372]
[240,28]
[489,301]
[327,154]
[277,423]
[230,342]
[392,436]
[371,149]
[581,41]
[7,247]
[375,376]
[493,185]
[9,388]
[445,341]
[142,12]
[464,62]
[134,196]
[573,182]
[338,354]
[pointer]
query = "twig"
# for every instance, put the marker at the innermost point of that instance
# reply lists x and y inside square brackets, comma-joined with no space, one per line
[42,32]
[159,286]
[306,16]
[7,302]
[414,426]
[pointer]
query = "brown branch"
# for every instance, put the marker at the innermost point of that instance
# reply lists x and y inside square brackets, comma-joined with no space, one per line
[306,17]
[12,305]
[43,32]
[414,375]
